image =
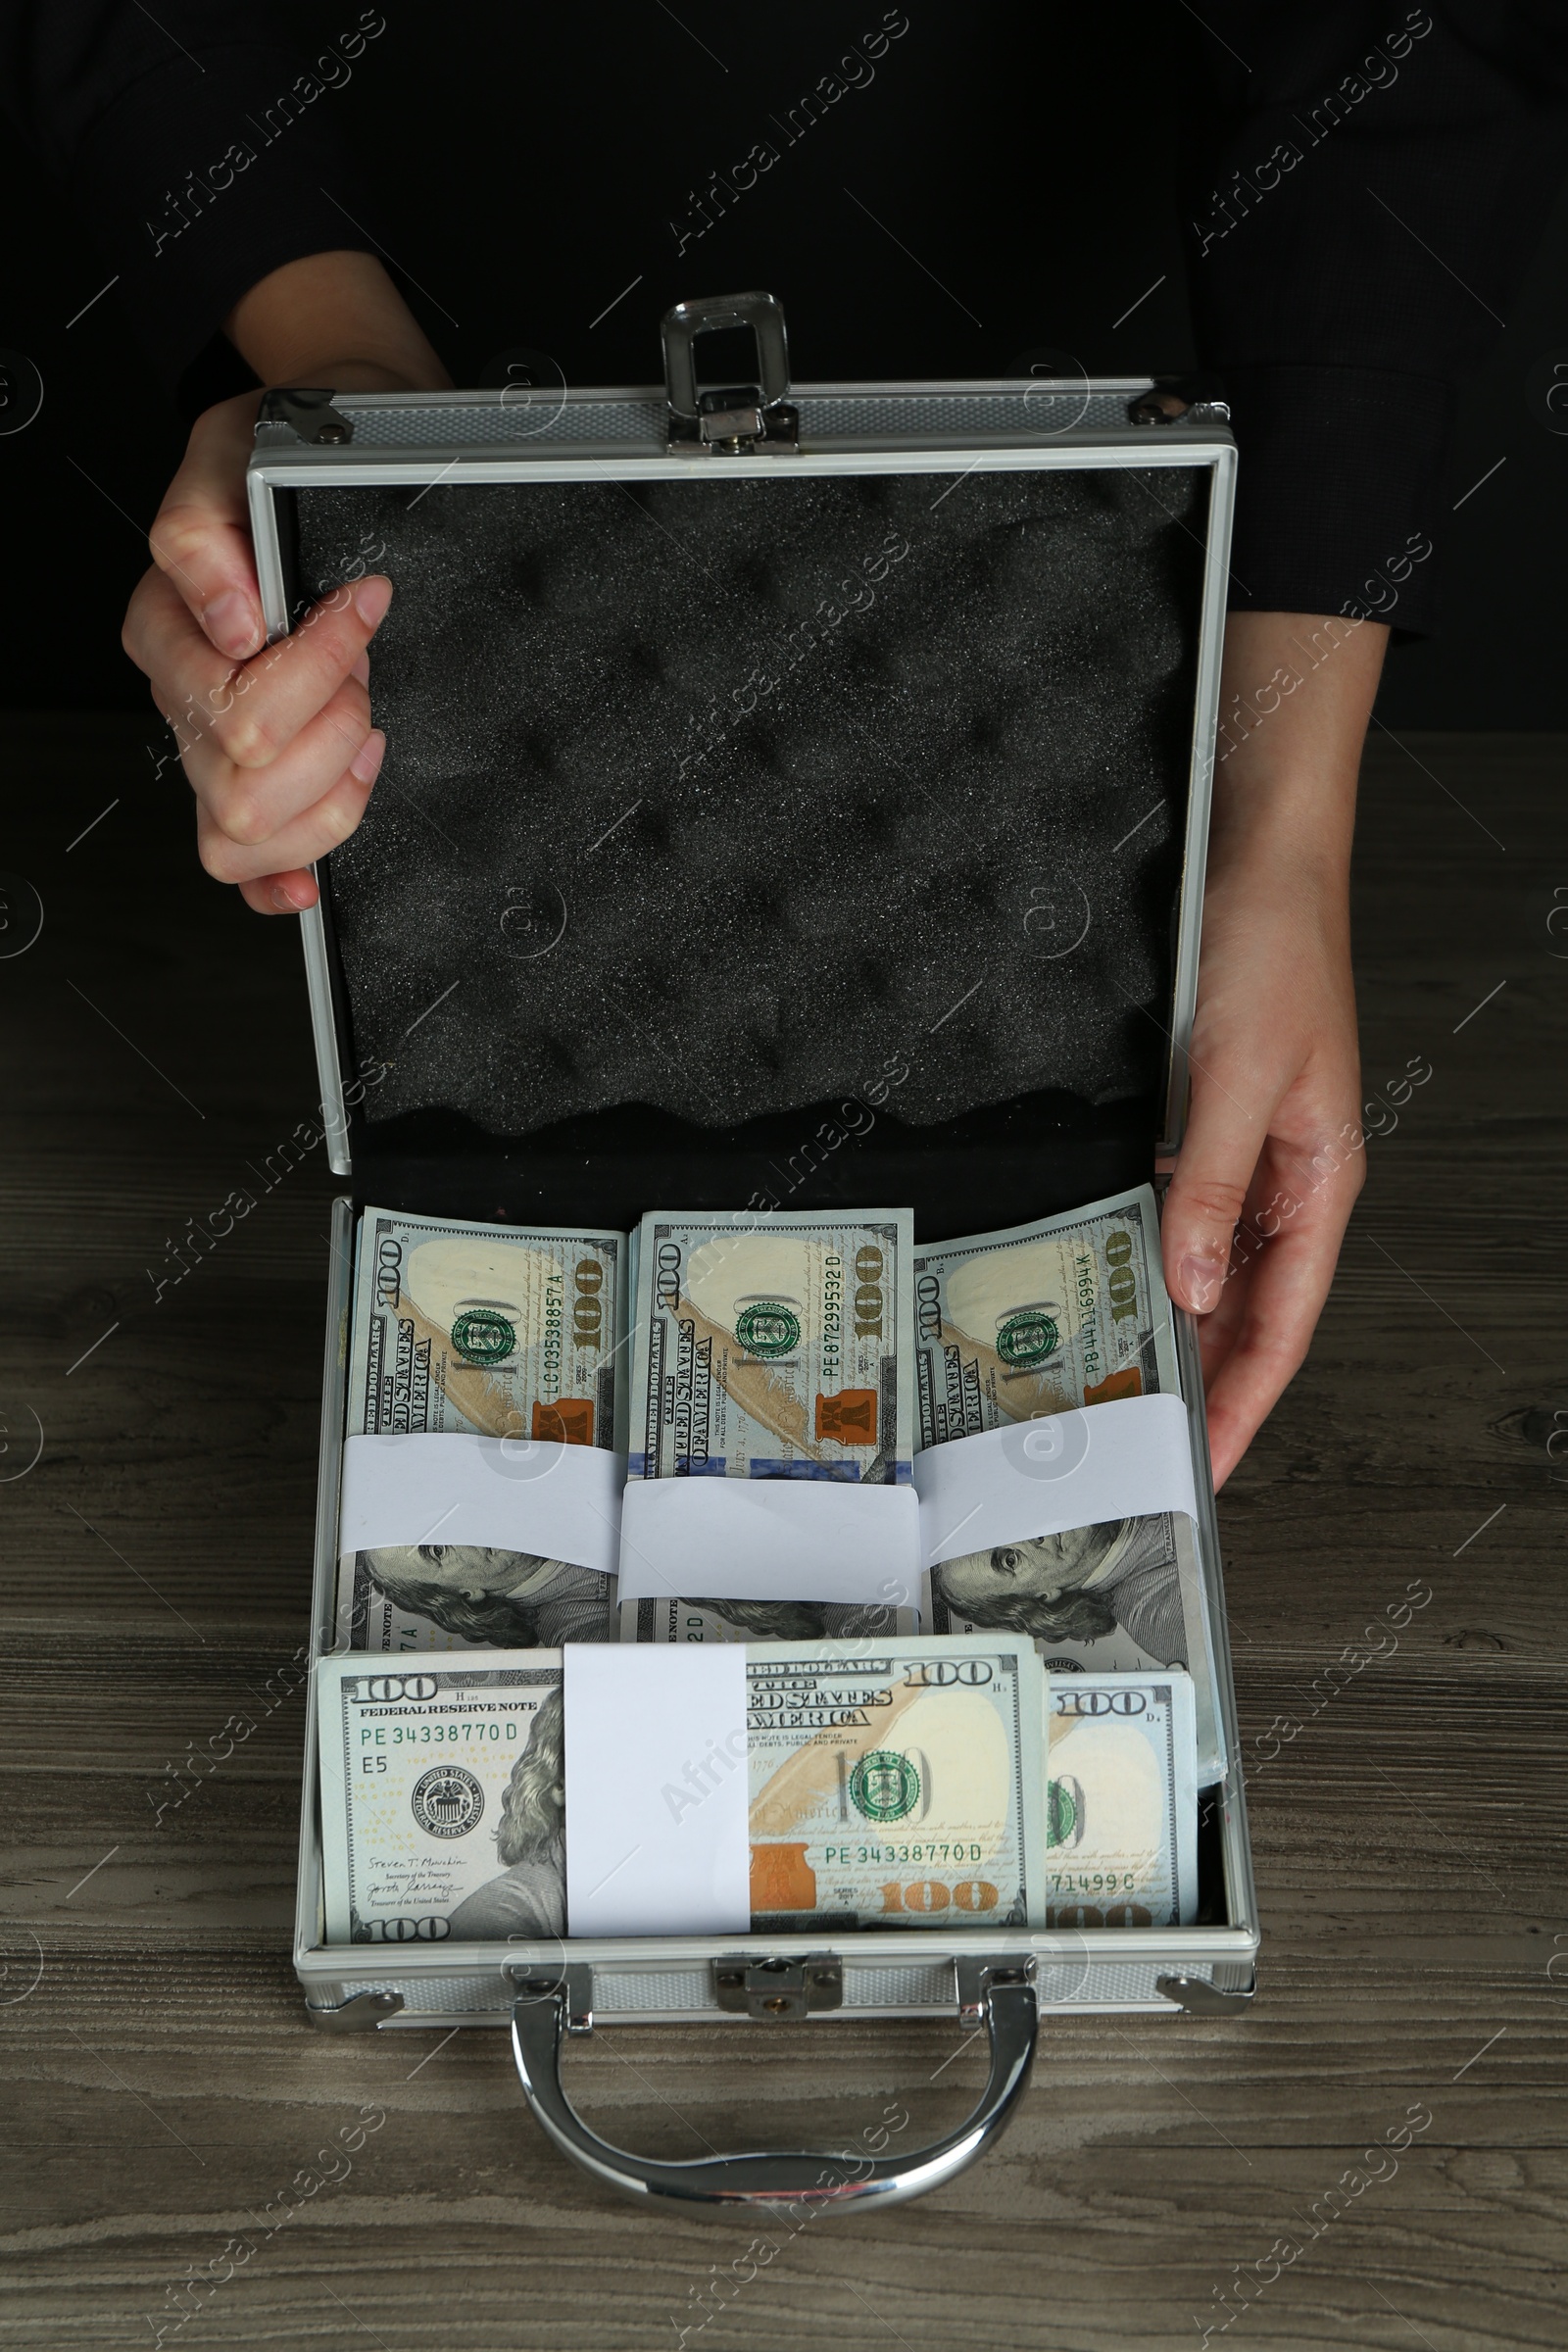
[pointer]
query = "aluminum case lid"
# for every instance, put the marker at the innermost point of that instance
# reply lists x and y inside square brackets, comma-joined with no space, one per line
[1033,722]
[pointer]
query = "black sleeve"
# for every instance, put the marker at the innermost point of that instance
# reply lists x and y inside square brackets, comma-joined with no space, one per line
[1361,216]
[196,144]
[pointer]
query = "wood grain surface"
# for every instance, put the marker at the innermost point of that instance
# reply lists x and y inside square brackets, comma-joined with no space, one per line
[171,2120]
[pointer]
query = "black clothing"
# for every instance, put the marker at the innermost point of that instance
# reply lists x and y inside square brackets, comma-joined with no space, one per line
[190,145]
[1361,187]
[1342,295]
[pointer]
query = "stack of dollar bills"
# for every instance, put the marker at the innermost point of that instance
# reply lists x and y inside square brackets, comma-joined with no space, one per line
[774,1346]
[940,1781]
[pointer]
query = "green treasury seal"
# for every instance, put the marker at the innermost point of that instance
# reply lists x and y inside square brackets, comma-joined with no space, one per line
[1027,1337]
[1064,1812]
[482,1335]
[767,1327]
[884,1786]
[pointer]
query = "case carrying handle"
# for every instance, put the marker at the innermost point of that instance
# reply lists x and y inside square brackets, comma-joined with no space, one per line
[997,1994]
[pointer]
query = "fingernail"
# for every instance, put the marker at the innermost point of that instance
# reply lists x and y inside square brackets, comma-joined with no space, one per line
[1199,1280]
[232,624]
[285,901]
[361,670]
[368,760]
[372,598]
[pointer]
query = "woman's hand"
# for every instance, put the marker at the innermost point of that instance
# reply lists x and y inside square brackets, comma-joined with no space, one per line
[277,741]
[1272,1161]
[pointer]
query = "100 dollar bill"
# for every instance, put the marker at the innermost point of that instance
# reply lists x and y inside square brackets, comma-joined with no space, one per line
[1069,1311]
[1121,1802]
[888,1786]
[439,1778]
[510,1331]
[776,1349]
[779,1348]
[895,1786]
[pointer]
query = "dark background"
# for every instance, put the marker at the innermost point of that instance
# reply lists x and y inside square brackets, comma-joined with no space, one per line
[952,217]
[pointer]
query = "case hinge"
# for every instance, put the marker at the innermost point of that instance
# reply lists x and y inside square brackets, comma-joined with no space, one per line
[309,409]
[780,1990]
[1192,399]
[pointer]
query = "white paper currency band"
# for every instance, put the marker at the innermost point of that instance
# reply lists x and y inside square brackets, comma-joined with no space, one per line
[657,1790]
[770,1538]
[1127,1459]
[507,1494]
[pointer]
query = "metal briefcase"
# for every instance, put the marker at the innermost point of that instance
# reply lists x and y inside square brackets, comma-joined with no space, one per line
[1102,474]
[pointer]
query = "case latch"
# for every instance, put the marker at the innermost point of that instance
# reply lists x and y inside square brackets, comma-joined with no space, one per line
[780,1990]
[309,409]
[744,418]
[1199,1998]
[360,2013]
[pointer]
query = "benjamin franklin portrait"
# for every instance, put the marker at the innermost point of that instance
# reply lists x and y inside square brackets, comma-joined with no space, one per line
[1077,1587]
[528,1898]
[495,1599]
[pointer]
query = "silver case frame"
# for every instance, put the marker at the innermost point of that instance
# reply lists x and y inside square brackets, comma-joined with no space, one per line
[417,439]
[420,439]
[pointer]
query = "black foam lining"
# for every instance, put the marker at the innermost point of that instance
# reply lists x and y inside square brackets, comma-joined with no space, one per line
[1003,1166]
[734,797]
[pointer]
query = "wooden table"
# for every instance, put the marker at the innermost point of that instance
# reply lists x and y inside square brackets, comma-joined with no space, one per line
[175,2118]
